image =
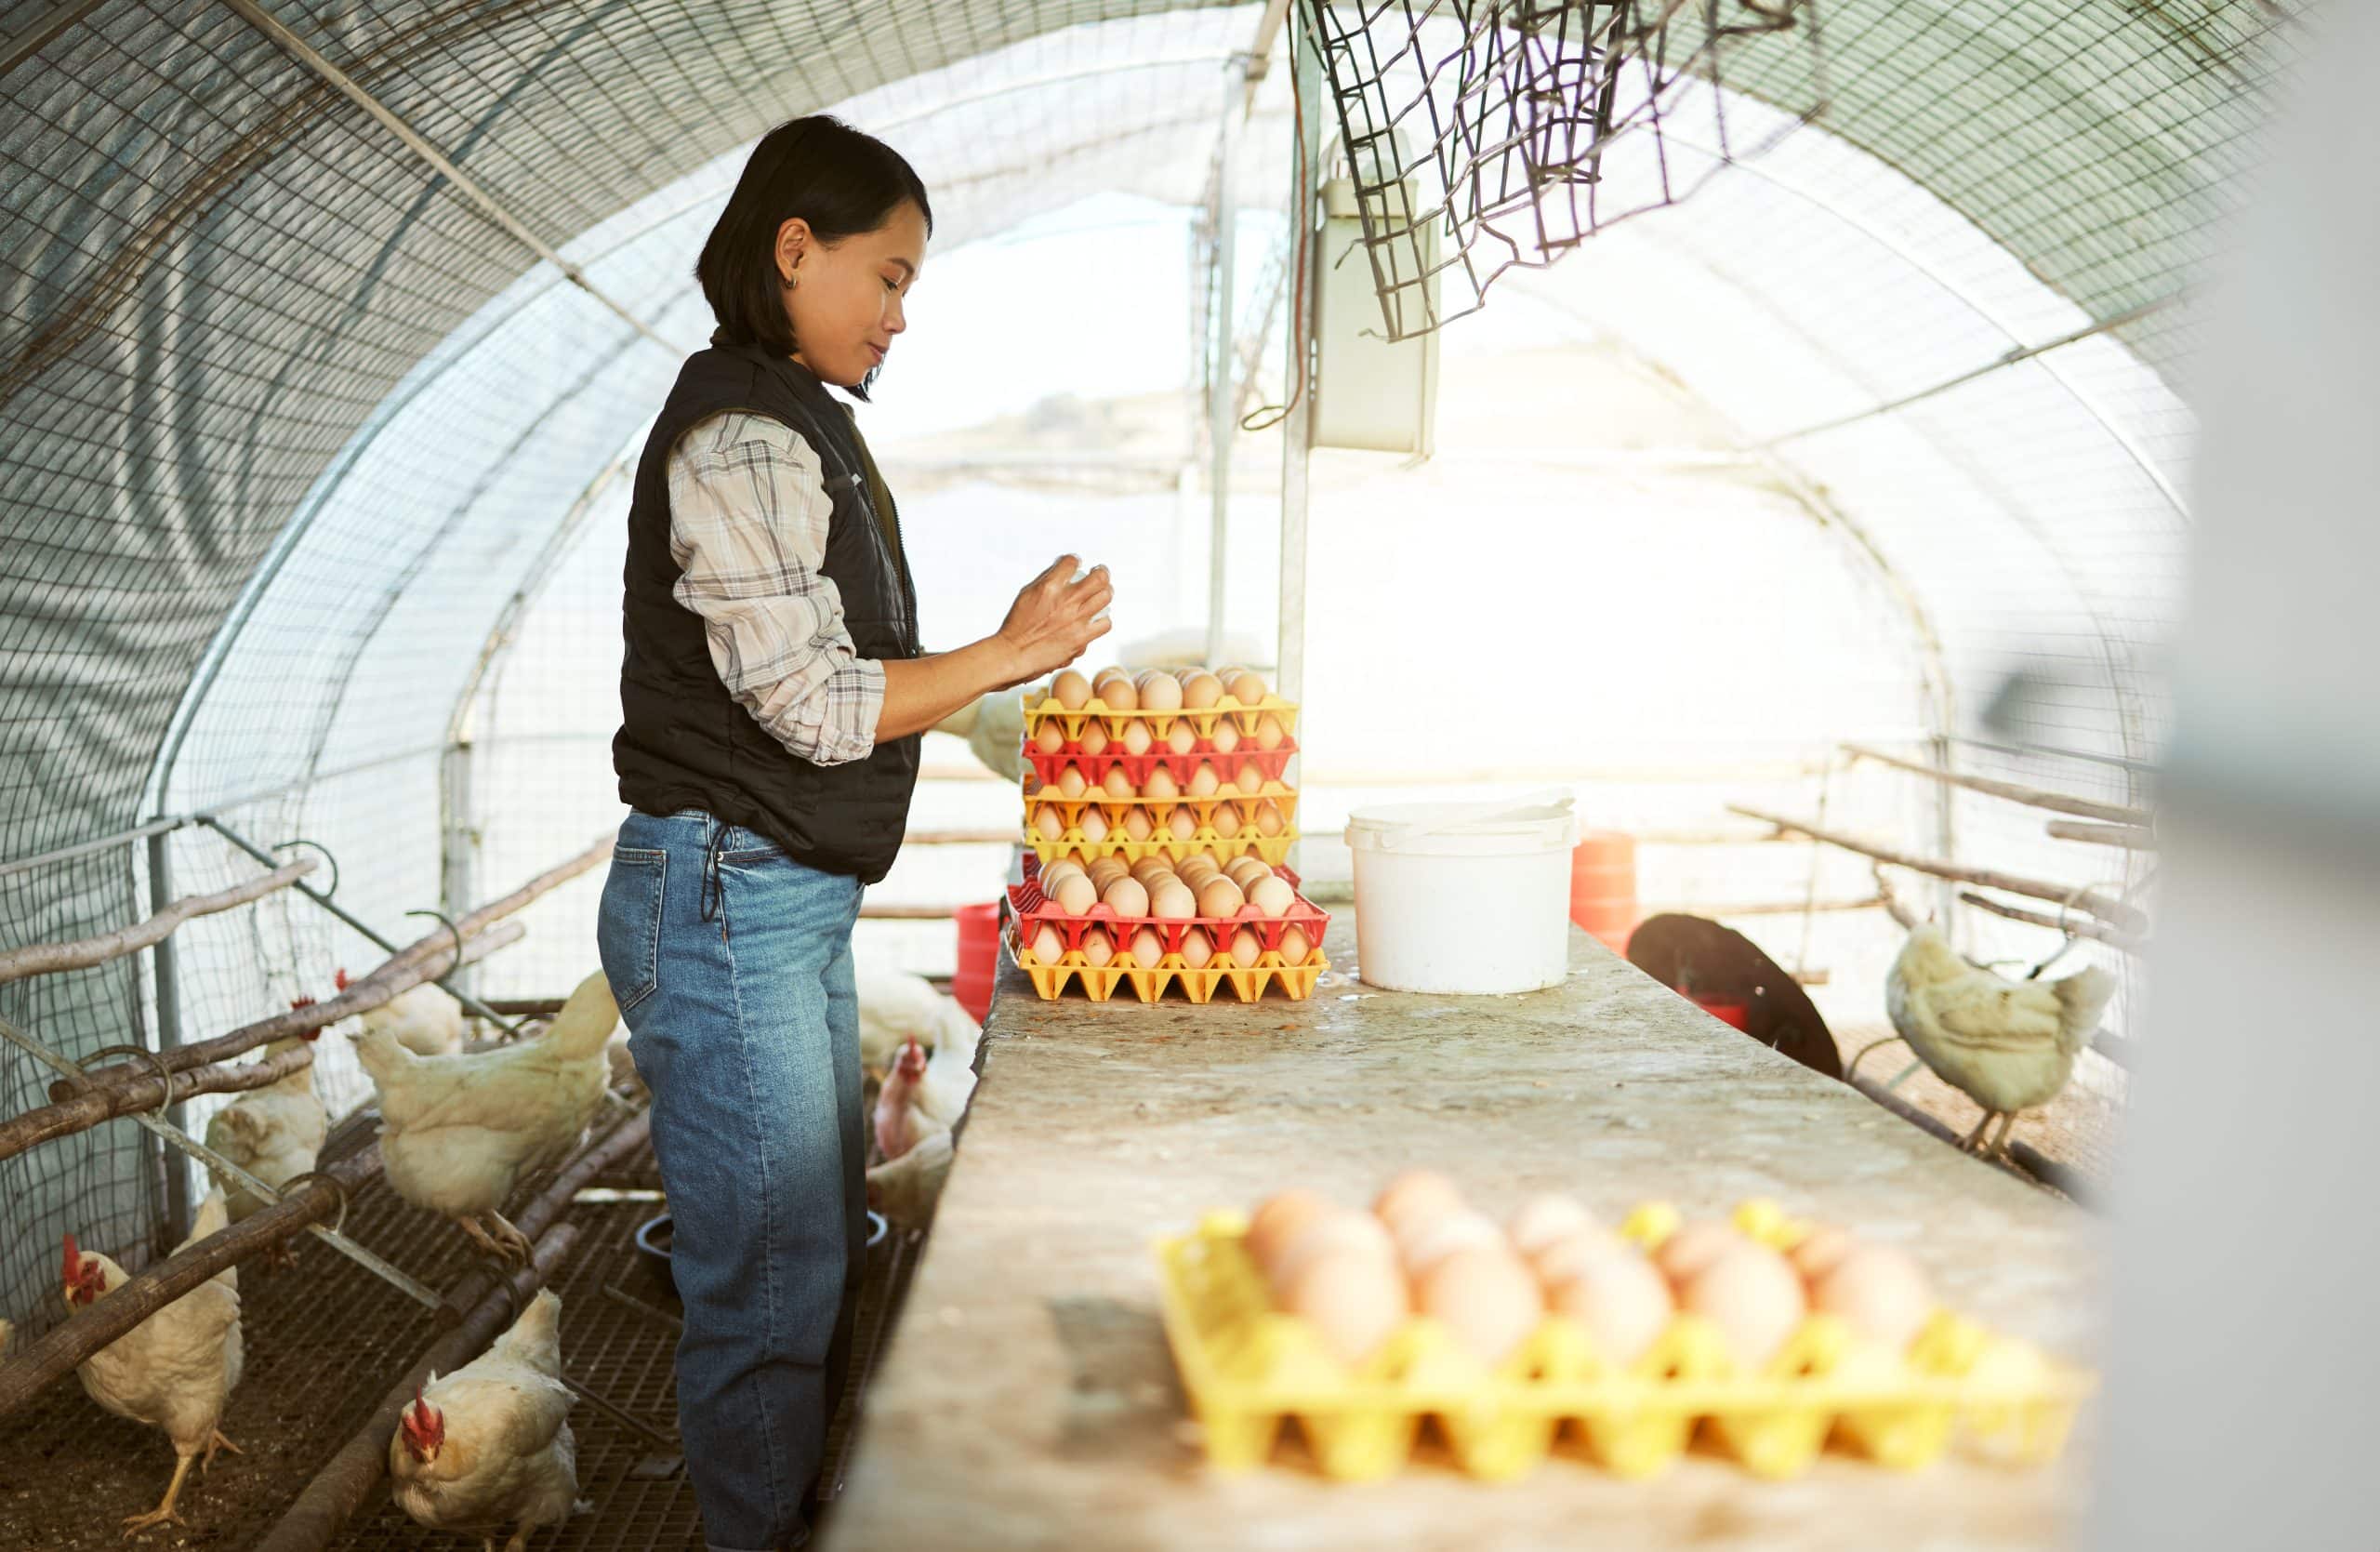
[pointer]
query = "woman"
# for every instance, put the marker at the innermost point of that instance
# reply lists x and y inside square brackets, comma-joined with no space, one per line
[773,695]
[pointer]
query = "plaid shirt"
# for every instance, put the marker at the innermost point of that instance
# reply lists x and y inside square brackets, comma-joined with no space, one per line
[748,514]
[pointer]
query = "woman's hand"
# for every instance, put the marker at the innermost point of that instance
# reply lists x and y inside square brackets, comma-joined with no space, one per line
[1054,619]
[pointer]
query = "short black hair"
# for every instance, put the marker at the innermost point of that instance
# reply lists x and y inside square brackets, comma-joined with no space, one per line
[840,179]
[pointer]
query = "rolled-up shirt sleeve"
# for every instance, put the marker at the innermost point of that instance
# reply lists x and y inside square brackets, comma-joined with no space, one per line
[749,518]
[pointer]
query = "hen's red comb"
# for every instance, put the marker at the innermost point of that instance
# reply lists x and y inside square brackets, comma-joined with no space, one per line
[339,978]
[301,1001]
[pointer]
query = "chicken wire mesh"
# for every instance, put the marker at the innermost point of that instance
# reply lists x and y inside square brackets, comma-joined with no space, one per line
[307,458]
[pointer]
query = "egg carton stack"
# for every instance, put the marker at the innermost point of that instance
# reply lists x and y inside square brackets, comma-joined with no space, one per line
[1157,820]
[1772,1337]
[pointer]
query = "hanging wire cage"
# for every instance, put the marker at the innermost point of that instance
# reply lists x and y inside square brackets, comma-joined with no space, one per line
[1485,135]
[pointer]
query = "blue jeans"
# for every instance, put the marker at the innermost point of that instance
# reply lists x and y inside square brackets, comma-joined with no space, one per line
[732,963]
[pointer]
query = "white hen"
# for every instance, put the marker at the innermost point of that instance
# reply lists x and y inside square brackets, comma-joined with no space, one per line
[425,1019]
[275,1133]
[175,1370]
[458,1132]
[2007,1045]
[489,1446]
[896,1006]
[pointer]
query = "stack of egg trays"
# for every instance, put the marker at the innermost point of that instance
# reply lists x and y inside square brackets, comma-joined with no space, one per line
[1030,909]
[1249,1370]
[1160,723]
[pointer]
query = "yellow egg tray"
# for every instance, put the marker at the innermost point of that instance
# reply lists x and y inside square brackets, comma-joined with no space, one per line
[1160,723]
[1269,849]
[1248,983]
[1250,1369]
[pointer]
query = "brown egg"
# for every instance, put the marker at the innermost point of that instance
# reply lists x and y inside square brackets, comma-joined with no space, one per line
[1197,948]
[1200,690]
[1182,737]
[1097,947]
[1486,1298]
[1246,948]
[1182,824]
[1752,1295]
[1247,871]
[1151,868]
[1138,826]
[1296,948]
[1224,820]
[1269,735]
[1416,1193]
[1273,896]
[1245,687]
[1820,1251]
[1048,946]
[1076,894]
[1204,783]
[1693,1247]
[1093,825]
[1117,693]
[1277,1220]
[1352,1302]
[1337,1232]
[1070,783]
[1147,948]
[1172,901]
[1048,824]
[1427,1242]
[1105,871]
[1879,1292]
[1160,784]
[1249,779]
[1621,1300]
[1126,897]
[1072,690]
[1093,739]
[1563,1255]
[1225,738]
[1049,737]
[1161,691]
[1137,738]
[1544,1219]
[1220,896]
[1268,818]
[1118,785]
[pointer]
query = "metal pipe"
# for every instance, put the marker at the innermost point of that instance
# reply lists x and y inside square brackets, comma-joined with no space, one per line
[1220,428]
[163,969]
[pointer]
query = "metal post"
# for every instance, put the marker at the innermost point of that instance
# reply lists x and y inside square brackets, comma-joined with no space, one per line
[458,850]
[1221,395]
[1296,429]
[163,967]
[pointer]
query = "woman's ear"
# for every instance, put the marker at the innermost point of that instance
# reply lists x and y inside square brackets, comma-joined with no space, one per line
[793,237]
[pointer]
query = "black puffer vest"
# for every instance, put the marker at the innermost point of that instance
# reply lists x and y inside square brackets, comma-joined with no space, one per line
[683,742]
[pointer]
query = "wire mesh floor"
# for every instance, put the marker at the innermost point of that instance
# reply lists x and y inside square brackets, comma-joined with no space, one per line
[326,1340]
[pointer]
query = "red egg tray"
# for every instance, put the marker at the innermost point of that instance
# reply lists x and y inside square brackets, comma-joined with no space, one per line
[1137,767]
[1033,909]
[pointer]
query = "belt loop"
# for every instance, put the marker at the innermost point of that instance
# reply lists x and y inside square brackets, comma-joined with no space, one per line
[712,891]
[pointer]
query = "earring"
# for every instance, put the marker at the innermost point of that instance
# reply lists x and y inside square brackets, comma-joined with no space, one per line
[792,281]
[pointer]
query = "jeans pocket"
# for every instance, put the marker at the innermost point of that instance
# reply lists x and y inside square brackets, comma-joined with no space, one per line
[627,923]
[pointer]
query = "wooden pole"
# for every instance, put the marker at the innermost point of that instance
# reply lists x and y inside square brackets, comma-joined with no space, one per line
[2130,836]
[2091,900]
[2081,927]
[58,1351]
[341,1488]
[426,960]
[43,958]
[2056,803]
[80,1112]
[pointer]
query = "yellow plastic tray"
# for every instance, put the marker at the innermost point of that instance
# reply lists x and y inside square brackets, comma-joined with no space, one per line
[1099,983]
[1250,1369]
[1162,722]
[1272,850]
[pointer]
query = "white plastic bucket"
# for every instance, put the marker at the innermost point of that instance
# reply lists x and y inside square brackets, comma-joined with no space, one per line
[1477,907]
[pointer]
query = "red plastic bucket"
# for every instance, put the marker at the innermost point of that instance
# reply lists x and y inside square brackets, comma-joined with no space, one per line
[1603,887]
[979,957]
[1726,1011]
